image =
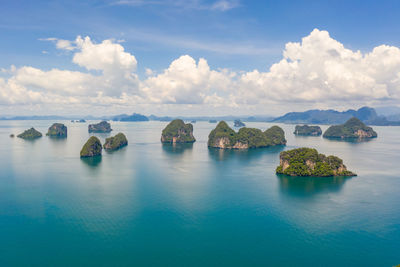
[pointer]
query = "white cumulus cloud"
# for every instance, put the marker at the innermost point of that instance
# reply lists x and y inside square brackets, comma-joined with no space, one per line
[318,71]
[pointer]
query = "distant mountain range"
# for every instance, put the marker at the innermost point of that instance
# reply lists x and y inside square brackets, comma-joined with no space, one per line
[140,117]
[366,114]
[133,117]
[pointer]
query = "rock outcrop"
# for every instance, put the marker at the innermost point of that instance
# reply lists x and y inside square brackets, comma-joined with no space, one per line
[308,162]
[91,148]
[30,134]
[306,130]
[101,127]
[116,142]
[178,132]
[225,137]
[238,123]
[57,130]
[353,128]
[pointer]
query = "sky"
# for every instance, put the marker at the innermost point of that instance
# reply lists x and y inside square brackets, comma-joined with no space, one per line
[197,57]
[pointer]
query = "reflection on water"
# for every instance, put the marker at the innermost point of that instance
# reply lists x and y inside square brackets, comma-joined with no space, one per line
[92,161]
[58,138]
[101,135]
[121,150]
[310,186]
[242,154]
[350,140]
[177,148]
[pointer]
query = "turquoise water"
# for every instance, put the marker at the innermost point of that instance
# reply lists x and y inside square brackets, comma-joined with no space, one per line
[152,205]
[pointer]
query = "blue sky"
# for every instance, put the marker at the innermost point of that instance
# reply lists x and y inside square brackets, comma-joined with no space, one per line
[240,36]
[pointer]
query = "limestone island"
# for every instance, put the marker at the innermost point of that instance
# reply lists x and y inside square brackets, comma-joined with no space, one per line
[91,148]
[178,132]
[308,162]
[306,130]
[225,137]
[115,142]
[101,127]
[353,128]
[57,130]
[30,134]
[238,123]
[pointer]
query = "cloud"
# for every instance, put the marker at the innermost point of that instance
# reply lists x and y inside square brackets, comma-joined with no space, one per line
[322,69]
[110,73]
[220,5]
[61,43]
[185,82]
[224,5]
[318,72]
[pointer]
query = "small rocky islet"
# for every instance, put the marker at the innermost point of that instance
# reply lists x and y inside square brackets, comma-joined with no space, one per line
[295,162]
[352,129]
[306,130]
[30,134]
[178,132]
[115,142]
[238,123]
[101,127]
[224,137]
[308,162]
[57,130]
[91,148]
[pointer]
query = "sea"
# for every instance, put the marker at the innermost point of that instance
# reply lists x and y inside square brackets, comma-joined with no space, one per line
[150,204]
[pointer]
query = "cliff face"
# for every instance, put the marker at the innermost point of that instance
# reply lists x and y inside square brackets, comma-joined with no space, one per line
[178,132]
[91,148]
[101,127]
[306,130]
[308,162]
[353,128]
[225,138]
[116,142]
[30,134]
[57,130]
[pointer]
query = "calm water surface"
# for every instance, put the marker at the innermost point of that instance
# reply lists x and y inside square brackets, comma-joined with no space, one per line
[152,205]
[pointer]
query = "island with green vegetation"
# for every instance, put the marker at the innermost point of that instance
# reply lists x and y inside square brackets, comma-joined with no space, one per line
[308,162]
[306,130]
[225,137]
[57,130]
[352,129]
[238,123]
[30,134]
[101,127]
[115,142]
[91,148]
[178,132]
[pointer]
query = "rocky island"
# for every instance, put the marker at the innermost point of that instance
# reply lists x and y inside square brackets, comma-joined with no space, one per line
[353,128]
[308,162]
[30,134]
[101,127]
[225,137]
[238,123]
[306,130]
[116,142]
[91,148]
[178,132]
[57,130]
